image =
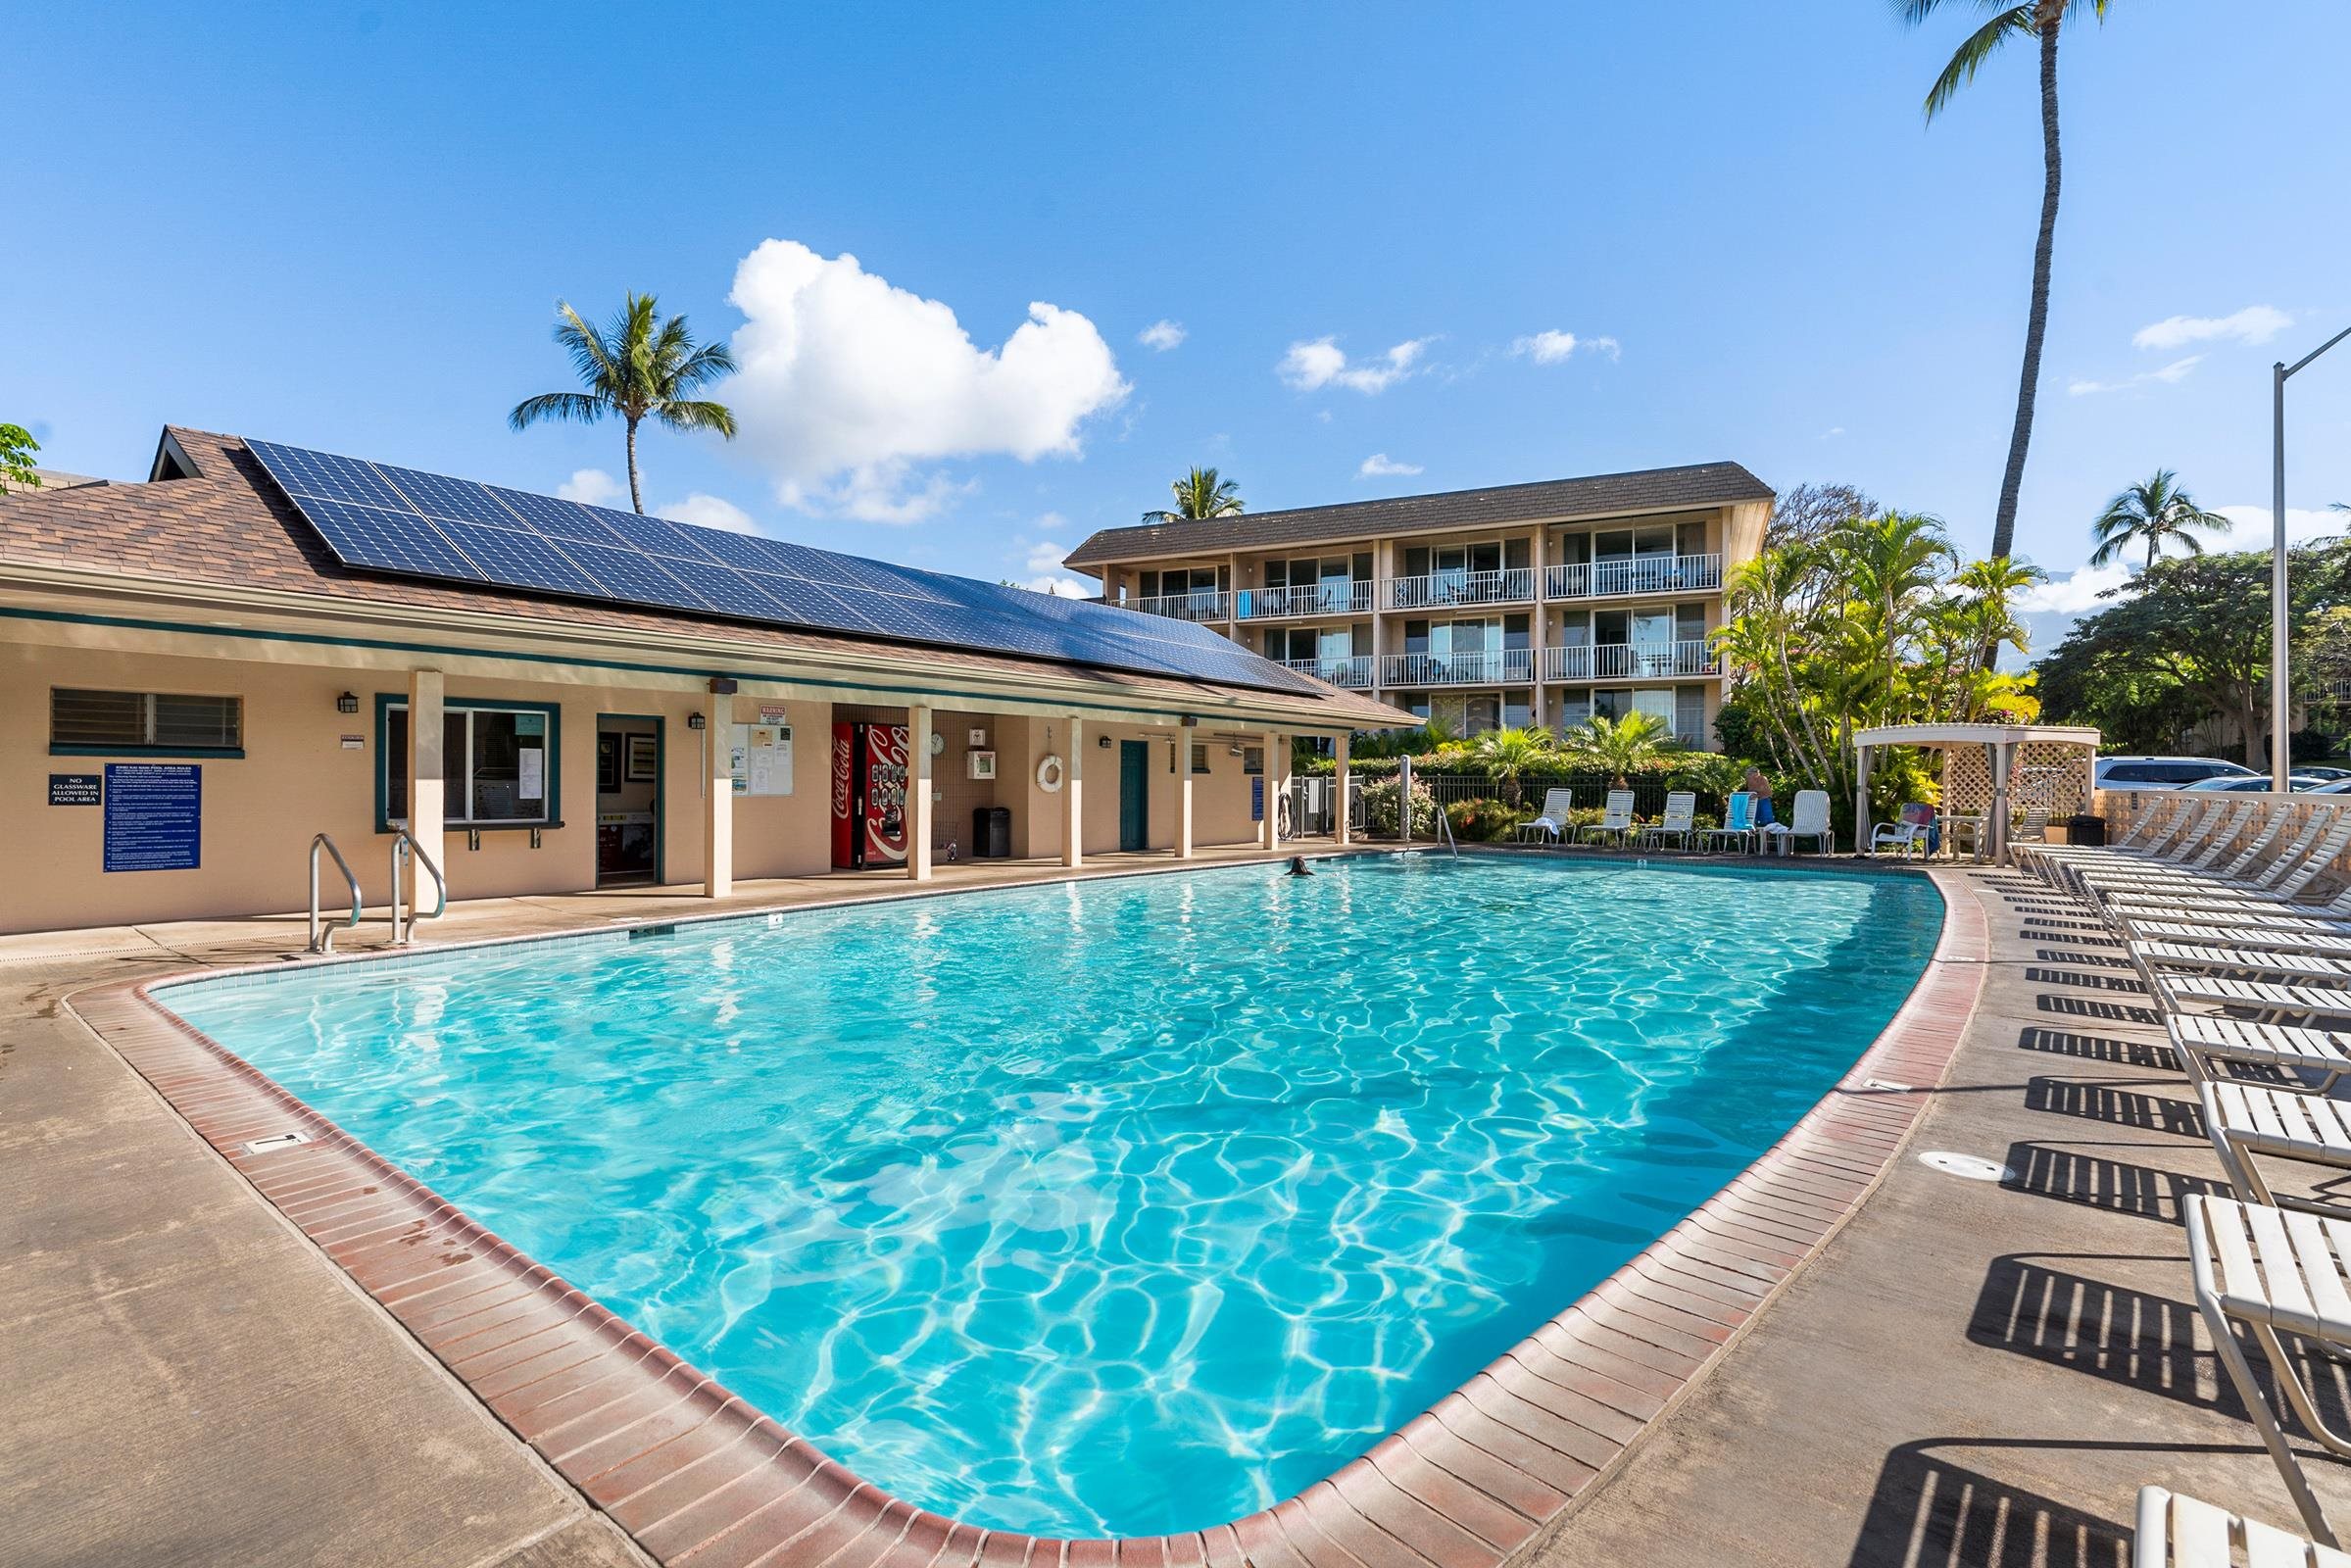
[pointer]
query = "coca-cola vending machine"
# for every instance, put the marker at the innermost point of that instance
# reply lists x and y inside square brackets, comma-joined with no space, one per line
[869,795]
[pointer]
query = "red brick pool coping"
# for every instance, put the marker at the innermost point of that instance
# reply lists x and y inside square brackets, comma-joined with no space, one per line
[698,1476]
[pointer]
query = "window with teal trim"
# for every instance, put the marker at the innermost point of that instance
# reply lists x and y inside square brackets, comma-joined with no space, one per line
[173,724]
[498,764]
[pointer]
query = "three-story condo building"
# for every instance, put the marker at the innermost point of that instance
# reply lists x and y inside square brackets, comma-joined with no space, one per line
[1524,604]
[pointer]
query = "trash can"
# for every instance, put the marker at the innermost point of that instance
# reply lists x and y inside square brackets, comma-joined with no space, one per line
[2083,828]
[992,833]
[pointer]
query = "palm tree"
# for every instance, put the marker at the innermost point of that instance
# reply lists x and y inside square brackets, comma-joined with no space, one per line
[1508,755]
[640,367]
[2041,19]
[1198,495]
[1619,747]
[2157,512]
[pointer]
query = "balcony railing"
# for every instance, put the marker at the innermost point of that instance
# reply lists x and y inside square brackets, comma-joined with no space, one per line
[1202,606]
[1444,590]
[1305,599]
[1629,661]
[1644,575]
[1502,667]
[1353,673]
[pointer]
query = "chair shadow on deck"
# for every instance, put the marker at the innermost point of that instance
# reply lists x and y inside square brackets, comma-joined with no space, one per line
[2122,1107]
[2148,1054]
[2096,1008]
[1928,1512]
[2129,983]
[2096,1181]
[2031,1306]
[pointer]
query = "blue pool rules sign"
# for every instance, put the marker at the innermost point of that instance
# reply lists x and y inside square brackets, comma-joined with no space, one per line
[154,817]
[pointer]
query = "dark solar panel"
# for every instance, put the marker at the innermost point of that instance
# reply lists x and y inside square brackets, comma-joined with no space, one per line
[383,519]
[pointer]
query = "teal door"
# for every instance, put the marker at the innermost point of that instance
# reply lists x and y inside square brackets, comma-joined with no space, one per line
[1134,795]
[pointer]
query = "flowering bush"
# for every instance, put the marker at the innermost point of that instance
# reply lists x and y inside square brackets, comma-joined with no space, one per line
[1486,820]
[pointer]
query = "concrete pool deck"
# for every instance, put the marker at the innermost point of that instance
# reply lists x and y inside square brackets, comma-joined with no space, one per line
[190,1377]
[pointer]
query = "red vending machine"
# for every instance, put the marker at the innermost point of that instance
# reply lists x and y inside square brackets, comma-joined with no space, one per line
[869,795]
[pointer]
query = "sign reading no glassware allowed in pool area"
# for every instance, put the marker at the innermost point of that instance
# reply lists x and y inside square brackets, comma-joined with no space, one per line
[154,817]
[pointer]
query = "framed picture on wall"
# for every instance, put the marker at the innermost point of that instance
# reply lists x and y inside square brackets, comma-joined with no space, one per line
[983,764]
[644,759]
[608,765]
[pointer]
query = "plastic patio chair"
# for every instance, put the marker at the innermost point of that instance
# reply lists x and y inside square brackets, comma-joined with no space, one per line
[1681,822]
[1615,819]
[1551,821]
[1811,822]
[1738,823]
[1907,834]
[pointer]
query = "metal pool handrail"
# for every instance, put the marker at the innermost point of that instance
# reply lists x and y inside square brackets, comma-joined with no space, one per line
[322,933]
[403,931]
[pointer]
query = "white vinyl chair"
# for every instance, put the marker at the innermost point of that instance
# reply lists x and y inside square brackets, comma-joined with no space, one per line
[1907,834]
[1550,823]
[1811,822]
[2176,1532]
[1681,822]
[1738,823]
[1616,818]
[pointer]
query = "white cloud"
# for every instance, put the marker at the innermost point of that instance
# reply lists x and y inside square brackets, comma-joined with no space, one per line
[1044,567]
[1311,367]
[2074,594]
[2254,324]
[591,487]
[2171,374]
[2254,527]
[1161,334]
[848,385]
[1833,432]
[1552,346]
[1380,464]
[709,512]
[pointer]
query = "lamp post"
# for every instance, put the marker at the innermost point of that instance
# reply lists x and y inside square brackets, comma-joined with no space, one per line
[2280,703]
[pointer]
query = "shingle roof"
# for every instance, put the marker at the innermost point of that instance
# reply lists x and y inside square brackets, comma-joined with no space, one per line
[231,526]
[1704,484]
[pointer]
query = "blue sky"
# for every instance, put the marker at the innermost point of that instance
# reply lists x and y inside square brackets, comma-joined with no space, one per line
[346,228]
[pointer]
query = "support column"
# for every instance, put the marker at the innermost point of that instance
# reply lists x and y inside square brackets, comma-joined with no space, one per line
[1861,802]
[1183,751]
[719,794]
[1073,805]
[918,794]
[1542,639]
[1997,828]
[1269,830]
[427,766]
[1339,782]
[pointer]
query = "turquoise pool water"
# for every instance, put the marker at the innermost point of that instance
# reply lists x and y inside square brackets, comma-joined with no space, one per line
[1117,1207]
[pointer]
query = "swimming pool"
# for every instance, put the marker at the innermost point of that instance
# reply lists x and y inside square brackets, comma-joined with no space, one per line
[1112,1207]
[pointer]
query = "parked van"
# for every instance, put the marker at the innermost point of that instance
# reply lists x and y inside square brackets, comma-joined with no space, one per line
[2166,772]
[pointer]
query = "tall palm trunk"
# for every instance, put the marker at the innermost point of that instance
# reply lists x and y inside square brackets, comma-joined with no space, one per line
[2050,15]
[636,495]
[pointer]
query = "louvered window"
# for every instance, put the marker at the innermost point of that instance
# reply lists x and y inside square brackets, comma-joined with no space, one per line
[145,721]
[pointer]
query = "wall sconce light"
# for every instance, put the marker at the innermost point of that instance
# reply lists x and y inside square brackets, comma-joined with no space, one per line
[348,702]
[694,722]
[1102,741]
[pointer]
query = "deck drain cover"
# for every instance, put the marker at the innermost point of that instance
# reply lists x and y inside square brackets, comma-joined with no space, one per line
[1886,1086]
[276,1141]
[1970,1166]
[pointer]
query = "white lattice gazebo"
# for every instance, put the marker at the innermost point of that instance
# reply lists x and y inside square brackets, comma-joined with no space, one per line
[1991,770]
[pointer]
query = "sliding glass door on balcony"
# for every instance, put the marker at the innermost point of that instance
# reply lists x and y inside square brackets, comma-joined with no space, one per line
[1185,593]
[1439,576]
[1452,653]
[1657,559]
[1327,653]
[1327,585]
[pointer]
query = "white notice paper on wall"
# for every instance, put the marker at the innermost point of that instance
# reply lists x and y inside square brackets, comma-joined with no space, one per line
[531,773]
[763,759]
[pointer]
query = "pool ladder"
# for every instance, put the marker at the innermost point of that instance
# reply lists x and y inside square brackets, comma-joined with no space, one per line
[407,856]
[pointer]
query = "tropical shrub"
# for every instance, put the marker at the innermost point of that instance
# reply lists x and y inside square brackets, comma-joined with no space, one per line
[1487,821]
[1380,807]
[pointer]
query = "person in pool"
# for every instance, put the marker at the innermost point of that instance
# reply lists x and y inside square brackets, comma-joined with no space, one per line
[1299,867]
[1761,788]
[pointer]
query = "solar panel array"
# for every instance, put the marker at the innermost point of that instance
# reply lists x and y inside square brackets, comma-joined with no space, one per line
[377,517]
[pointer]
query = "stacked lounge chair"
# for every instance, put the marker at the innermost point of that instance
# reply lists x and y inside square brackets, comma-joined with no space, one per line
[2247,954]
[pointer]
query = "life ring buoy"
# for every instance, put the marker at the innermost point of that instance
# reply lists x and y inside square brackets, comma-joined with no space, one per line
[1048,774]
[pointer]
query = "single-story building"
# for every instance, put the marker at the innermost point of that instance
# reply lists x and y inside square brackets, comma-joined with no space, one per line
[260,644]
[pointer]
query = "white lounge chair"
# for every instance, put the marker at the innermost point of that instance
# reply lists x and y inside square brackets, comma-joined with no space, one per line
[1738,823]
[1811,822]
[2265,1001]
[1681,822]
[2263,1269]
[1907,834]
[2176,1532]
[1551,821]
[2236,963]
[2244,1119]
[1616,817]
[2316,1057]
[2319,944]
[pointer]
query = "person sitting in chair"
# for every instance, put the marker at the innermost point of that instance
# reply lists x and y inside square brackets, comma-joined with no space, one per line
[1761,788]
